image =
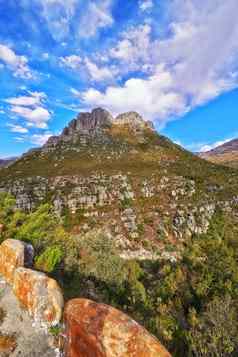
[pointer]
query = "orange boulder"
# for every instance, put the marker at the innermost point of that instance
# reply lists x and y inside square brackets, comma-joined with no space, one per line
[40,295]
[14,254]
[98,330]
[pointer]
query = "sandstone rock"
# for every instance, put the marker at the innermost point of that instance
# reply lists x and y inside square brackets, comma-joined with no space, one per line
[134,120]
[99,330]
[14,254]
[40,295]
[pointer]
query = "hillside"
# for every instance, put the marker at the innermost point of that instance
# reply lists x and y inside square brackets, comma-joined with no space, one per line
[226,154]
[121,215]
[121,174]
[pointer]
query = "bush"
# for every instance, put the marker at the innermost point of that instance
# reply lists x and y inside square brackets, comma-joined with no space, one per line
[99,258]
[49,259]
[215,331]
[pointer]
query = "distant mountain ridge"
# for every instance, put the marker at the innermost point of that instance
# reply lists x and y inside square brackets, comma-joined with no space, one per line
[225,154]
[6,162]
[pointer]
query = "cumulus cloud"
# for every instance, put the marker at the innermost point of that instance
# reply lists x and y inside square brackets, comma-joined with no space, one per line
[152,97]
[199,55]
[31,109]
[18,64]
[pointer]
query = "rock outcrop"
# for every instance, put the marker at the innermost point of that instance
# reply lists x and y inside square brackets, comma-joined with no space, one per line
[134,120]
[40,295]
[99,330]
[93,124]
[14,254]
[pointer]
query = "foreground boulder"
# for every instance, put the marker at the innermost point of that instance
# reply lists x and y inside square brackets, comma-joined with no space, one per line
[98,330]
[14,254]
[40,295]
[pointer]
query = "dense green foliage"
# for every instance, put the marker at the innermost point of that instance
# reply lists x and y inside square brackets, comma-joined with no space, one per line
[191,305]
[49,259]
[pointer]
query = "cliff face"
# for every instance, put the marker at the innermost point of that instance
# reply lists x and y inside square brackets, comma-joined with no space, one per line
[121,174]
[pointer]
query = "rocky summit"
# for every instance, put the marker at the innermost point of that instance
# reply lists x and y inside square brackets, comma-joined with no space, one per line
[121,175]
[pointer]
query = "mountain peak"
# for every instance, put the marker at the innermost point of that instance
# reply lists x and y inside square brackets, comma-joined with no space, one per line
[132,119]
[95,122]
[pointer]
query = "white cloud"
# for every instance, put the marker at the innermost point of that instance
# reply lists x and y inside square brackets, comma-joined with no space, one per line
[73,18]
[73,61]
[18,64]
[34,99]
[134,47]
[86,66]
[97,15]
[37,117]
[40,139]
[199,55]
[152,97]
[146,5]
[18,129]
[31,109]
[202,49]
[99,73]
[58,15]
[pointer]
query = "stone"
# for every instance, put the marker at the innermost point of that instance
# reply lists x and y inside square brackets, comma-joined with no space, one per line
[14,254]
[99,330]
[40,295]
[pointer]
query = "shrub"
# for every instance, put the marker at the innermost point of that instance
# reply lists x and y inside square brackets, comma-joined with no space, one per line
[49,259]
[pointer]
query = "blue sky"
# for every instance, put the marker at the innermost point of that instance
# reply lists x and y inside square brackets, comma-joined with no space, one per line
[173,61]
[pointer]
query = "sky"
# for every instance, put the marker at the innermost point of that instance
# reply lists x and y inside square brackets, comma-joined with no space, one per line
[173,61]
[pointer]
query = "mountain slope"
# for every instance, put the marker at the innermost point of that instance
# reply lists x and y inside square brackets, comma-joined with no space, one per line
[121,174]
[226,154]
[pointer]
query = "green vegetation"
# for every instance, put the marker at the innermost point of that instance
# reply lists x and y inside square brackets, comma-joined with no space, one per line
[49,259]
[191,305]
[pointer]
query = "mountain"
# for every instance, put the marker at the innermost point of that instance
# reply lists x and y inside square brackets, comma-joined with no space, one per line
[226,154]
[6,162]
[121,174]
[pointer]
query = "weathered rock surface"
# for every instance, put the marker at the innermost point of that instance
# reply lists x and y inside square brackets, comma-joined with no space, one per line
[97,330]
[30,340]
[40,295]
[14,254]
